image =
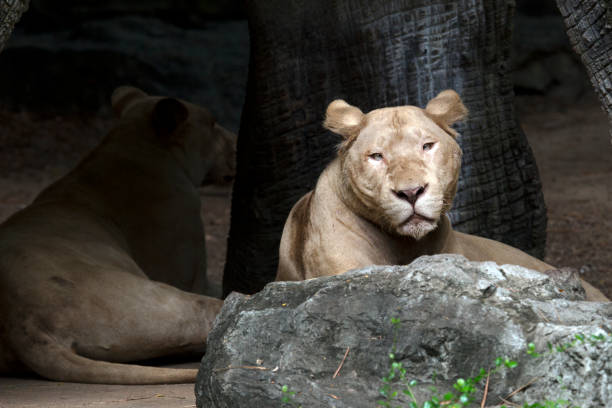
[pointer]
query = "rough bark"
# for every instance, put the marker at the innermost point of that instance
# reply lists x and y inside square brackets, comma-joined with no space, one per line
[589,27]
[10,12]
[374,54]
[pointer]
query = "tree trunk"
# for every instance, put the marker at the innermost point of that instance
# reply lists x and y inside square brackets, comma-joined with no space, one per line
[589,27]
[10,12]
[376,53]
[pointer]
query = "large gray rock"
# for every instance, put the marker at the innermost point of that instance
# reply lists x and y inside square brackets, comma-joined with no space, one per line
[456,317]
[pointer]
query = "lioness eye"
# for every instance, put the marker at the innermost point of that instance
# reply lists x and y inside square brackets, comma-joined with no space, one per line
[376,156]
[428,146]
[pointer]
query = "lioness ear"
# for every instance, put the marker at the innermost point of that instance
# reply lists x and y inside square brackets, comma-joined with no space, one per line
[124,97]
[446,109]
[342,118]
[168,115]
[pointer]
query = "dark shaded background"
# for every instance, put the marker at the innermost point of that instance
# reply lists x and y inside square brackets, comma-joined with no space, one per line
[67,56]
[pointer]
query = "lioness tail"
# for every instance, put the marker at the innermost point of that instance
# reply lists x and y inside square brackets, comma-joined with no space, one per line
[56,362]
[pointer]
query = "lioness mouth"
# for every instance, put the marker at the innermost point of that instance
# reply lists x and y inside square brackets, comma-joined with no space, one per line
[416,218]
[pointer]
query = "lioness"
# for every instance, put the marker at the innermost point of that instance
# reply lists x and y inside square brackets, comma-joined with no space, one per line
[384,199]
[75,266]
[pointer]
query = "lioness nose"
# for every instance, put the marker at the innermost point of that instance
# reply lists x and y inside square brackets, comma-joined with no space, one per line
[411,194]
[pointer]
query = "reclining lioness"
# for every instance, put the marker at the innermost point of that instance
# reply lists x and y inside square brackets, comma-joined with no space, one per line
[384,199]
[81,267]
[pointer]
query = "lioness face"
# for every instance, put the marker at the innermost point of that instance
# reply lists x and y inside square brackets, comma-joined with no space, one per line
[400,165]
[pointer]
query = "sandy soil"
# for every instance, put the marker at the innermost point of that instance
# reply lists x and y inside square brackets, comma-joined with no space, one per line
[572,147]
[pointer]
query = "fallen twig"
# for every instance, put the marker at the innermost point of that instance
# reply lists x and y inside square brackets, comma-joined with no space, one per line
[341,363]
[534,379]
[486,390]
[245,367]
[152,396]
[541,314]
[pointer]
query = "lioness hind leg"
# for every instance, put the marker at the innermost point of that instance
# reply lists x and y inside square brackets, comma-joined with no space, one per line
[112,319]
[145,319]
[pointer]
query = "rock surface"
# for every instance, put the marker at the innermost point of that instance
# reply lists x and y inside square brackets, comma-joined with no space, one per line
[455,317]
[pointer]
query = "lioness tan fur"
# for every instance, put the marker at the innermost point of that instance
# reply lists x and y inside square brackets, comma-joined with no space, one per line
[384,199]
[81,268]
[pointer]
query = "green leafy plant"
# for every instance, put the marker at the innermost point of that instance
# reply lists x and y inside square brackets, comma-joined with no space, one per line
[465,389]
[287,397]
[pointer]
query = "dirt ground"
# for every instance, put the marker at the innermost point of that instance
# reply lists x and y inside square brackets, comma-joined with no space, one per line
[571,144]
[573,150]
[33,392]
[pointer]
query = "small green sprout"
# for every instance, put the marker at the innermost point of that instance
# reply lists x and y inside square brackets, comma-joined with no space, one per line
[287,397]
